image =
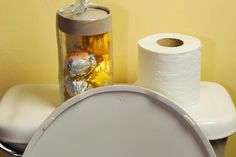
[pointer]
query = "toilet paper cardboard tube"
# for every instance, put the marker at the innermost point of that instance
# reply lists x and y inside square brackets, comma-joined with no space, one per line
[170,42]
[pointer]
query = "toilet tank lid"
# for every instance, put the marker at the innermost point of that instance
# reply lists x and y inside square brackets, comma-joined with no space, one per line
[23,108]
[215,113]
[119,120]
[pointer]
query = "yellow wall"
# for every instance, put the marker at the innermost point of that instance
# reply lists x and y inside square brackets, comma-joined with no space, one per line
[28,52]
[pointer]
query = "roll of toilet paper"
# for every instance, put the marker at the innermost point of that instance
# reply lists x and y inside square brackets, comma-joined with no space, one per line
[170,64]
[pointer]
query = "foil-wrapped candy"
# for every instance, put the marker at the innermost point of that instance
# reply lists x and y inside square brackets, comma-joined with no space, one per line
[80,63]
[75,86]
[96,44]
[73,42]
[101,75]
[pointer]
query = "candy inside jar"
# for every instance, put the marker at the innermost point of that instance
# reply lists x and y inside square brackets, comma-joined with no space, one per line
[97,45]
[88,65]
[101,74]
[84,46]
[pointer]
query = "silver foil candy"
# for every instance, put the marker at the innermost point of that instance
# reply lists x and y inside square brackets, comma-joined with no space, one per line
[80,64]
[74,87]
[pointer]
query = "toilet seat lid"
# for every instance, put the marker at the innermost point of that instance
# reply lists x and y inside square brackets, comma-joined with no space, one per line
[119,121]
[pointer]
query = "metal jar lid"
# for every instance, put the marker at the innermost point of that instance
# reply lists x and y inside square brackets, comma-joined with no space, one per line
[95,20]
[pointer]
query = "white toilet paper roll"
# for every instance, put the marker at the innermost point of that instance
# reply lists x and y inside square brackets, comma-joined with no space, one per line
[170,64]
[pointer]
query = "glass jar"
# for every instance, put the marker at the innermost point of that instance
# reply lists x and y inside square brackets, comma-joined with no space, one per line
[84,49]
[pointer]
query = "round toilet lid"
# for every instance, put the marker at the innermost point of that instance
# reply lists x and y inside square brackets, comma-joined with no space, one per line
[119,121]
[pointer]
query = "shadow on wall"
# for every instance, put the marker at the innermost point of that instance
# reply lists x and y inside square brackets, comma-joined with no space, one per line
[231,91]
[207,58]
[208,65]
[230,146]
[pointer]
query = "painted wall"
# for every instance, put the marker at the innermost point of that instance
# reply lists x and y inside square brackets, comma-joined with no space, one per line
[28,52]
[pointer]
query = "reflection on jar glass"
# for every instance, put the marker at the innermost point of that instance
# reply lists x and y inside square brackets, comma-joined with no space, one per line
[84,53]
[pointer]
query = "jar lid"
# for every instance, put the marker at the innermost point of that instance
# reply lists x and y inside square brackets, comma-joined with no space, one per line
[95,20]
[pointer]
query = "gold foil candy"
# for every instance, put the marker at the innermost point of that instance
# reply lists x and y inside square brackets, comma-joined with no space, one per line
[97,44]
[101,75]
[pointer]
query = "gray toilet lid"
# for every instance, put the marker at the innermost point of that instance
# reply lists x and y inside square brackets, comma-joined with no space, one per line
[119,121]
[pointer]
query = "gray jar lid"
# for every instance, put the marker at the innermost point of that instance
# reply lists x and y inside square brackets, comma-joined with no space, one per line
[95,20]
